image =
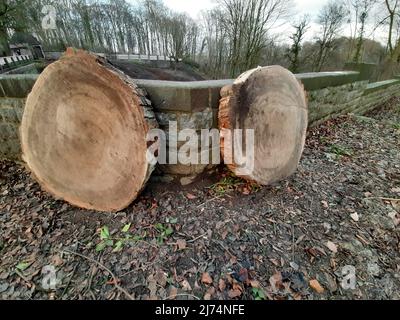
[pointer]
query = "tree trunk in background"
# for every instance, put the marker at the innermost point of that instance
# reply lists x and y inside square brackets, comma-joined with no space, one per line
[84,133]
[271,102]
[4,45]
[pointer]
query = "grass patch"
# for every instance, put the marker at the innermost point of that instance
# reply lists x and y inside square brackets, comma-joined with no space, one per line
[229,183]
[340,150]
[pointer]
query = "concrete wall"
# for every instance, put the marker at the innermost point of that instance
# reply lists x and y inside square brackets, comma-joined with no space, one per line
[194,105]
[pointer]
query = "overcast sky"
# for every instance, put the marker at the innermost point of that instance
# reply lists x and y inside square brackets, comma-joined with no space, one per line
[193,7]
[310,7]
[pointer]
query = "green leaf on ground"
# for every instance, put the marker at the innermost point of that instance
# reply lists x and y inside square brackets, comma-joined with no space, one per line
[126,228]
[22,266]
[104,233]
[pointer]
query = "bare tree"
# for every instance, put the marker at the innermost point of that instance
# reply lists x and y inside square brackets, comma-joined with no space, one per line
[392,10]
[331,19]
[247,23]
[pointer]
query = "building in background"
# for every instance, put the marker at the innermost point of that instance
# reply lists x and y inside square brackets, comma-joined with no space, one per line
[25,44]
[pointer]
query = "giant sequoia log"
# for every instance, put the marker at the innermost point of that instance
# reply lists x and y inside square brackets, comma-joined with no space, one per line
[84,133]
[271,101]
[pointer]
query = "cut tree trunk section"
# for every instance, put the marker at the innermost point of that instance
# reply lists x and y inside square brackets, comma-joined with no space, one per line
[272,102]
[84,133]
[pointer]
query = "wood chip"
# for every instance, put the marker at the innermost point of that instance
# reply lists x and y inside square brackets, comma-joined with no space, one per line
[355,216]
[315,285]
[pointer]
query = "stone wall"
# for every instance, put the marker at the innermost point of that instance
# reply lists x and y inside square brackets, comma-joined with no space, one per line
[11,110]
[194,105]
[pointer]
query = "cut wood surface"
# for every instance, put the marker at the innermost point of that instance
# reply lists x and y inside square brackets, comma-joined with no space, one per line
[84,132]
[271,101]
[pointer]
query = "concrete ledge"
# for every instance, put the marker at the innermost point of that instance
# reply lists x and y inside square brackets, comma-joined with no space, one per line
[321,80]
[376,86]
[366,70]
[194,96]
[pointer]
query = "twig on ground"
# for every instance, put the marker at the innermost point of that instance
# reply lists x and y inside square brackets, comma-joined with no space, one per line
[70,280]
[382,198]
[115,279]
[209,200]
[19,273]
[198,238]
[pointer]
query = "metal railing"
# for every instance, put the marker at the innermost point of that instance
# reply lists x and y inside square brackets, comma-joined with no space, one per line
[12,62]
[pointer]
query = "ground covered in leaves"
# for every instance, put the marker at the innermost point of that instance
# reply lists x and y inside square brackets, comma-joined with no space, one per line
[222,238]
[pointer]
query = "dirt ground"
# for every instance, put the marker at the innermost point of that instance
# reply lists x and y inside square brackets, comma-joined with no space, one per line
[222,238]
[136,70]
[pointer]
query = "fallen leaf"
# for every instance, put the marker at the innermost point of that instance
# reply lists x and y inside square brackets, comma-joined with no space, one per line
[276,281]
[173,292]
[186,286]
[207,297]
[221,285]
[255,284]
[181,243]
[22,266]
[237,286]
[331,246]
[234,294]
[355,216]
[275,262]
[315,285]
[191,196]
[152,286]
[57,261]
[209,294]
[161,278]
[393,216]
[325,204]
[206,278]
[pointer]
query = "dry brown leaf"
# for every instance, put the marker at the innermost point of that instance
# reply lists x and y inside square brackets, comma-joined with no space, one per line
[331,246]
[186,286]
[276,281]
[206,278]
[191,196]
[222,285]
[161,278]
[237,286]
[173,292]
[315,285]
[56,261]
[234,294]
[275,262]
[181,243]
